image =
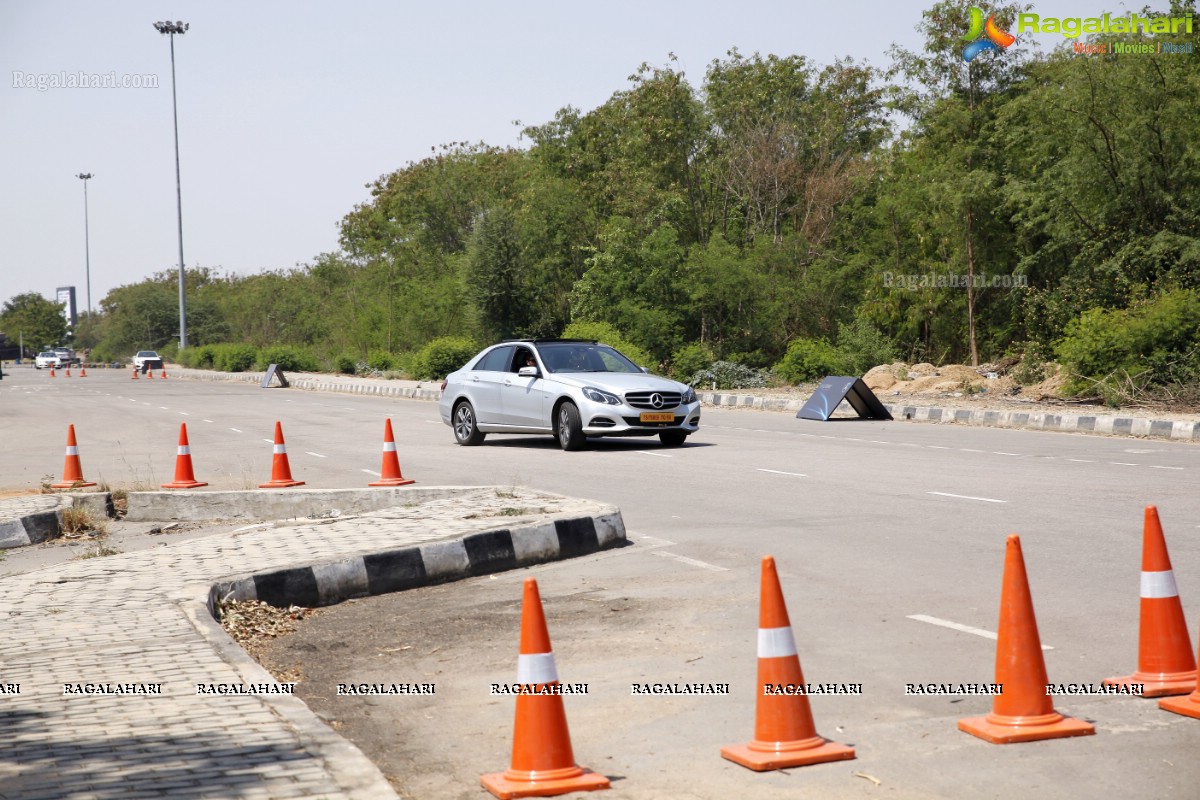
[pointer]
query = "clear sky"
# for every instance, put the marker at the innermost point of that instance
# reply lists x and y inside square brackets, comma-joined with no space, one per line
[288,109]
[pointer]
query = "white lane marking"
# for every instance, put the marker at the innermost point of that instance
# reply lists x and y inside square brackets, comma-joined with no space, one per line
[1002,453]
[648,453]
[693,562]
[969,450]
[433,421]
[852,439]
[184,413]
[876,441]
[781,472]
[269,441]
[936,447]
[1155,466]
[318,455]
[372,472]
[650,541]
[1081,460]
[1123,464]
[958,626]
[968,497]
[235,430]
[164,408]
[208,420]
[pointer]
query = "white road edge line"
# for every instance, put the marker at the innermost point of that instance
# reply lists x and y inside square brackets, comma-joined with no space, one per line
[207,420]
[693,562]
[235,430]
[372,472]
[958,626]
[1081,460]
[1124,464]
[650,541]
[318,455]
[968,497]
[269,441]
[1155,466]
[781,472]
[1002,453]
[648,453]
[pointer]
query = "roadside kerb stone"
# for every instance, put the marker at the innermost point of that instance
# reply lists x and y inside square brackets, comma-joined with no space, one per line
[30,519]
[145,617]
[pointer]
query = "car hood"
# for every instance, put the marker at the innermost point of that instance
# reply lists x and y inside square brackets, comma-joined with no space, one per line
[618,381]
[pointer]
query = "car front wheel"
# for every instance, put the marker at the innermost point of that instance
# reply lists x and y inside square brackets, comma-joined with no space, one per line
[672,438]
[568,429]
[466,431]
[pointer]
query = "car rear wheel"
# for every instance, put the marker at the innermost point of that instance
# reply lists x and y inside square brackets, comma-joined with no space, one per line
[568,429]
[672,438]
[466,431]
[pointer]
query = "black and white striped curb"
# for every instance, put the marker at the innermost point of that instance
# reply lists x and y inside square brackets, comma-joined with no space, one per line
[370,386]
[1108,424]
[34,519]
[476,554]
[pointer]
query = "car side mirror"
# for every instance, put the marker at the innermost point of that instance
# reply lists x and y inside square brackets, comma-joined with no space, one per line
[528,372]
[645,370]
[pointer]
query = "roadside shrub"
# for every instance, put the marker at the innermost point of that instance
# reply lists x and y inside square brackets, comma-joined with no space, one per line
[1031,368]
[344,364]
[690,359]
[1155,343]
[234,357]
[197,357]
[294,359]
[861,346]
[443,355]
[809,360]
[729,375]
[381,360]
[606,334]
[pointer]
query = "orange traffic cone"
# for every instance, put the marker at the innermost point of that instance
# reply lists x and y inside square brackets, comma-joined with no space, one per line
[72,469]
[1188,706]
[543,763]
[164,373]
[784,735]
[83,372]
[1023,712]
[68,371]
[1166,665]
[150,374]
[281,471]
[135,372]
[52,375]
[391,464]
[184,477]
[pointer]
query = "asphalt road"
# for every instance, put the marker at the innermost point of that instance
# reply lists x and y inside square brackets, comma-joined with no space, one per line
[871,524]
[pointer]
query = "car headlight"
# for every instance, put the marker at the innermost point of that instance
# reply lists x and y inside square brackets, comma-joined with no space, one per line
[598,396]
[689,396]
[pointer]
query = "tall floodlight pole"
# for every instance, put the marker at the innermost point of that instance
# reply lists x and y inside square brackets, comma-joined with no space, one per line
[87,249]
[172,28]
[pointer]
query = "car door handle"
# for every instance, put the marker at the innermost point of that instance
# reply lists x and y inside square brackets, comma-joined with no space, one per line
[475,378]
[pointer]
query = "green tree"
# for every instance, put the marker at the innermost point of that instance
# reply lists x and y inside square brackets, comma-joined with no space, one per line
[35,319]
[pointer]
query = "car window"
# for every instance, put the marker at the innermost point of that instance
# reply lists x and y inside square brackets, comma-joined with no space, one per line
[495,361]
[585,358]
[521,358]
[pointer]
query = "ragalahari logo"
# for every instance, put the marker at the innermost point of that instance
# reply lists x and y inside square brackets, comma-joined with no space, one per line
[984,36]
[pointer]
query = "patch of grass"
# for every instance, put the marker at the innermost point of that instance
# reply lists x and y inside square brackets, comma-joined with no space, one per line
[45,484]
[77,520]
[98,550]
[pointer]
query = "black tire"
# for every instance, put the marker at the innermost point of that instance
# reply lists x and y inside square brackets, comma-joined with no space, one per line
[466,431]
[568,429]
[672,438]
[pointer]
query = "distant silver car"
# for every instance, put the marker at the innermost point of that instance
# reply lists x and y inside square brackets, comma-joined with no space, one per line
[569,389]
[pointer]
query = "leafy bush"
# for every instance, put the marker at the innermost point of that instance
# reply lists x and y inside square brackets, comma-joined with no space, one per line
[606,334]
[690,359]
[1154,343]
[1031,368]
[729,375]
[862,346]
[809,360]
[439,358]
[295,359]
[345,364]
[233,357]
[381,360]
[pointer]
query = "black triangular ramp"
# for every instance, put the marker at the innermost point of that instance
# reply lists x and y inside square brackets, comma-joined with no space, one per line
[836,388]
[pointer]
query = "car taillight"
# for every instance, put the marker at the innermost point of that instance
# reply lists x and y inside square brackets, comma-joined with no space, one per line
[443,386]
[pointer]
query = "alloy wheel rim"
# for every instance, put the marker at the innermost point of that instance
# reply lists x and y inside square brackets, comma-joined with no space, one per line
[463,428]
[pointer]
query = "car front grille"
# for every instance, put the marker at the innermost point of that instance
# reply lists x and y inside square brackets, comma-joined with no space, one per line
[637,423]
[668,400]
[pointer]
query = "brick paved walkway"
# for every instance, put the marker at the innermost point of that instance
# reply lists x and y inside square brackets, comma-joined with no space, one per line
[140,618]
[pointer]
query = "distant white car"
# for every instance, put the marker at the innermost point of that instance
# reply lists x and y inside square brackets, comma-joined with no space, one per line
[46,360]
[144,356]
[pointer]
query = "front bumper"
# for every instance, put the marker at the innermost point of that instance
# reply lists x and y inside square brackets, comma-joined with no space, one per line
[608,420]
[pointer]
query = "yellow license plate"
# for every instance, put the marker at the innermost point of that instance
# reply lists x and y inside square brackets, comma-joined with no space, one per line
[657,416]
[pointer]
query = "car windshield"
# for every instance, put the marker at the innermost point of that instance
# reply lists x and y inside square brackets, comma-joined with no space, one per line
[581,357]
[48,354]
[149,353]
